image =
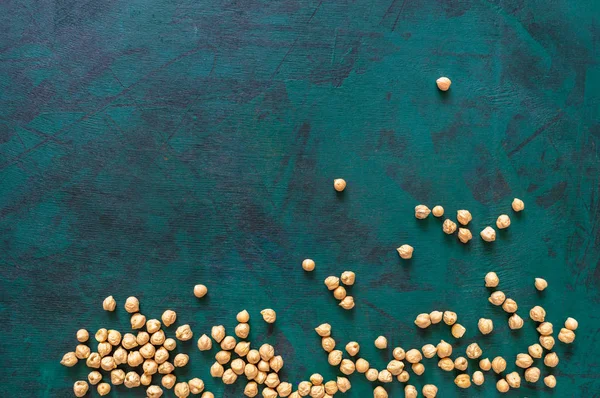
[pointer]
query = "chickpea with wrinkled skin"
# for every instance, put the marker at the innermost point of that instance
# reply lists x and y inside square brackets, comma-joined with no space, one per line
[266,352]
[485,364]
[228,343]
[474,351]
[109,304]
[184,333]
[196,385]
[114,337]
[284,389]
[532,375]
[550,381]
[347,367]
[276,363]
[571,324]
[462,381]
[132,305]
[503,221]
[129,341]
[488,234]
[398,353]
[535,351]
[497,298]
[331,387]
[461,363]
[498,365]
[242,330]
[422,212]
[418,368]
[540,284]
[485,326]
[117,377]
[272,380]
[339,293]
[204,343]
[335,357]
[180,360]
[316,379]
[458,330]
[339,184]
[449,226]
[547,342]
[372,374]
[150,366]
[423,321]
[352,348]
[304,388]
[142,338]
[216,370]
[464,217]
[218,333]
[491,279]
[518,205]
[524,361]
[103,389]
[108,363]
[395,367]
[537,314]
[410,392]
[242,348]
[94,377]
[154,392]
[464,235]
[132,380]
[510,306]
[251,389]
[101,335]
[80,388]
[428,350]
[82,335]
[147,350]
[450,318]
[348,278]
[328,344]
[478,378]
[551,360]
[545,329]
[385,376]
[69,359]
[332,282]
[200,291]
[405,252]
[268,392]
[134,358]
[308,265]
[170,344]
[165,368]
[443,83]
[566,336]
[168,381]
[413,356]
[104,348]
[435,317]
[515,322]
[446,364]
[347,303]
[152,325]
[513,379]
[502,386]
[429,391]
[181,390]
[137,321]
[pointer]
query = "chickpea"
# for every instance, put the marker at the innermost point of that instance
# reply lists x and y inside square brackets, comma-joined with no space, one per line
[435,317]
[403,377]
[510,306]
[109,304]
[180,360]
[347,303]
[488,234]
[405,252]
[103,389]
[83,335]
[446,364]
[485,326]
[200,291]
[443,84]
[524,361]
[150,366]
[423,321]
[284,389]
[242,330]
[165,368]
[272,380]
[253,356]
[154,392]
[228,343]
[571,324]
[70,359]
[478,378]
[458,330]
[497,298]
[184,333]
[117,377]
[362,365]
[502,386]
[204,343]
[398,353]
[304,388]
[485,364]
[104,348]
[101,335]
[551,360]
[182,390]
[343,384]
[348,278]
[498,365]
[537,313]
[513,379]
[518,205]
[132,305]
[332,282]
[540,284]
[142,338]
[242,348]
[170,344]
[308,265]
[266,352]
[428,350]
[168,381]
[450,318]
[268,392]
[328,344]
[335,357]
[129,341]
[379,392]
[413,356]
[422,212]
[80,388]
[461,363]
[395,367]
[535,351]
[316,379]
[147,350]
[347,367]
[108,363]
[464,235]
[515,322]
[94,377]
[464,217]
[385,376]
[132,380]
[196,386]
[251,389]
[474,351]
[429,391]
[491,279]
[216,370]
[218,333]
[331,387]
[410,392]
[134,358]
[269,315]
[417,368]
[462,381]
[503,221]
[323,330]
[263,366]
[339,293]
[566,336]
[352,348]
[339,184]
[532,375]
[372,374]
[550,381]
[547,342]
[138,321]
[449,226]
[545,329]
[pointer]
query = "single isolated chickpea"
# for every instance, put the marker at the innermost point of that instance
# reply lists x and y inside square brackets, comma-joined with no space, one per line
[513,379]
[328,344]
[449,226]
[435,317]
[417,368]
[83,335]
[109,304]
[518,205]
[80,388]
[347,303]
[532,375]
[339,184]
[184,333]
[422,212]
[535,351]
[428,350]
[323,330]
[372,374]
[547,342]
[571,324]
[348,278]
[308,265]
[362,365]
[132,305]
[446,364]
[181,390]
[94,377]
[458,330]
[395,367]
[485,364]
[196,385]
[443,349]
[566,336]
[137,321]
[437,211]
[502,386]
[332,282]
[347,367]
[352,348]
[405,252]
[510,306]
[385,376]
[168,381]
[551,360]
[550,381]
[339,293]
[204,343]
[381,342]
[540,284]
[497,298]
[379,392]
[461,363]
[450,318]
[491,279]
[462,381]
[498,365]
[69,359]
[485,326]
[478,378]
[488,234]
[515,322]
[410,391]
[537,313]
[103,389]
[524,361]
[423,321]
[429,391]
[474,351]
[242,330]
[503,221]
[413,356]
[398,353]
[443,83]
[464,217]
[464,235]
[343,384]
[200,290]
[545,329]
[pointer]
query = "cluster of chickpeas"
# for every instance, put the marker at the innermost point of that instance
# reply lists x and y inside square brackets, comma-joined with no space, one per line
[333,284]
[463,217]
[149,353]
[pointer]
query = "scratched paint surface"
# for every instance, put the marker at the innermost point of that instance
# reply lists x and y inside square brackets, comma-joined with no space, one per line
[149,145]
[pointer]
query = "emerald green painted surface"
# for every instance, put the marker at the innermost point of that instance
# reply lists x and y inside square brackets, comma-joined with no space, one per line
[146,146]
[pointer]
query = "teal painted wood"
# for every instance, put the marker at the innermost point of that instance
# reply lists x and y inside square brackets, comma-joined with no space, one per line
[146,146]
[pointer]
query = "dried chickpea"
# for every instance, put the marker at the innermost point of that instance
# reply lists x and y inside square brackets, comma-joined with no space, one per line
[150,366]
[132,380]
[491,279]
[461,363]
[181,390]
[200,291]
[268,392]
[474,351]
[510,306]
[323,330]
[422,212]
[403,377]
[204,343]
[223,357]
[308,265]
[269,315]
[498,365]
[165,368]
[94,377]
[535,351]
[462,381]
[108,363]
[331,387]
[362,365]
[137,321]
[80,388]
[405,252]
[485,364]
[117,377]
[518,205]
[372,374]
[242,330]
[551,359]
[395,367]
[251,371]
[550,381]
[423,321]
[478,378]
[488,234]
[343,384]
[458,330]
[348,278]
[571,324]
[547,342]
[218,333]
[379,392]
[101,335]
[328,344]
[497,298]
[464,217]
[276,363]
[428,350]
[216,370]
[196,386]
[347,367]
[413,356]
[385,376]
[284,389]
[266,352]
[503,221]
[142,338]
[134,358]
[332,282]
[446,364]
[513,379]
[253,356]
[347,303]
[339,293]
[485,326]
[104,349]
[429,391]
[381,342]
[443,84]
[464,235]
[317,392]
[398,353]
[168,381]
[410,392]
[502,386]
[524,361]
[208,395]
[352,348]
[170,344]
[70,359]
[129,341]
[180,360]
[251,389]
[242,348]
[304,388]
[228,343]
[532,375]
[158,338]
[335,357]
[540,284]
[450,318]
[537,313]
[109,304]
[435,317]
[83,335]
[184,333]
[272,380]
[120,356]
[132,305]
[147,350]
[154,392]
[418,368]
[515,322]
[566,336]
[339,184]
[545,329]
[437,211]
[103,389]
[449,226]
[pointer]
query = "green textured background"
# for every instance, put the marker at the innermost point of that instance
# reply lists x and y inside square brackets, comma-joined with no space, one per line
[146,146]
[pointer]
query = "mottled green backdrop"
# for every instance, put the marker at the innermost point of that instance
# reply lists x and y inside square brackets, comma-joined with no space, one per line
[146,146]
